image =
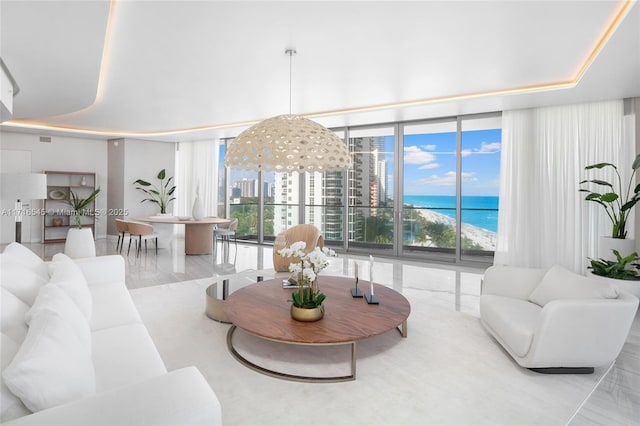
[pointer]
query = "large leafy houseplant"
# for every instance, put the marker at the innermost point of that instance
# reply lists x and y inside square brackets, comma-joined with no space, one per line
[79,205]
[308,295]
[616,200]
[620,269]
[161,194]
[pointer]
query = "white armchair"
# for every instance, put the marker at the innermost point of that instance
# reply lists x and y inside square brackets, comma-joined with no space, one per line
[555,321]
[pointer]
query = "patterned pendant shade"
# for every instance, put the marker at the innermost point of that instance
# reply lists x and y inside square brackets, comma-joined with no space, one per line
[288,143]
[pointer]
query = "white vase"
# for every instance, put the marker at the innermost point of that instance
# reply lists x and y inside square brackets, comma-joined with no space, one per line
[624,246]
[196,211]
[80,243]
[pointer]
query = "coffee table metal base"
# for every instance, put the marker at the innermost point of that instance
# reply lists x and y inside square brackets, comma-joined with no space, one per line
[293,377]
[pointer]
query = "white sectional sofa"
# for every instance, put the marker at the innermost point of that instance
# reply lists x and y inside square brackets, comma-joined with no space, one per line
[555,321]
[86,357]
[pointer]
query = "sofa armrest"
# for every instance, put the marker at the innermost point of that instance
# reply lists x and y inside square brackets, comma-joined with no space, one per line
[583,332]
[102,269]
[511,281]
[181,397]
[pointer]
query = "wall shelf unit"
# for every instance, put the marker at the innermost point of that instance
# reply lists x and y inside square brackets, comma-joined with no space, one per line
[57,218]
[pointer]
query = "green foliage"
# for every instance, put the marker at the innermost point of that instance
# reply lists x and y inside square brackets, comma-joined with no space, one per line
[616,202]
[79,205]
[618,269]
[161,195]
[305,298]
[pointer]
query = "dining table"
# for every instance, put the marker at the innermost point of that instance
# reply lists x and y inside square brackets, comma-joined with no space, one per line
[198,234]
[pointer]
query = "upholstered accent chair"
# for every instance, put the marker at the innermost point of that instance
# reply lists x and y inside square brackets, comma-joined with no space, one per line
[307,233]
[555,321]
[141,232]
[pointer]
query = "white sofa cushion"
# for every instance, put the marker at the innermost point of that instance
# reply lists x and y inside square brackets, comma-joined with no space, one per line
[22,255]
[55,301]
[69,278]
[53,366]
[12,312]
[20,280]
[514,320]
[112,306]
[560,283]
[124,355]
[10,405]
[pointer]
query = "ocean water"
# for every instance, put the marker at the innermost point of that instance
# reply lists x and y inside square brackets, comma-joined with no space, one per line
[486,217]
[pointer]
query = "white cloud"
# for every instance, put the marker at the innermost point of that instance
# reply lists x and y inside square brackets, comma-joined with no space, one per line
[414,155]
[448,179]
[429,166]
[429,147]
[489,148]
[466,152]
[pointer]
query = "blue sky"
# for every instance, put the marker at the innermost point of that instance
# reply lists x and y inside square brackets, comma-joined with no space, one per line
[430,163]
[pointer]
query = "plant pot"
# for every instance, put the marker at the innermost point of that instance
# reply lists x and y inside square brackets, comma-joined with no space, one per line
[80,243]
[607,245]
[307,315]
[628,286]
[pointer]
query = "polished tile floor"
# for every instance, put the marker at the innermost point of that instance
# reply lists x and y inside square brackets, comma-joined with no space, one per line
[616,401]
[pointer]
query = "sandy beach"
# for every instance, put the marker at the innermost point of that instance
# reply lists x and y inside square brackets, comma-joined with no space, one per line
[486,239]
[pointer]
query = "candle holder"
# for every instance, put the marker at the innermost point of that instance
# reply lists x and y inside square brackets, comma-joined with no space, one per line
[371,299]
[355,291]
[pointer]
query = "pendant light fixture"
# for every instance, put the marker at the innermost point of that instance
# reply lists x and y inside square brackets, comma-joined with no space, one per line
[288,143]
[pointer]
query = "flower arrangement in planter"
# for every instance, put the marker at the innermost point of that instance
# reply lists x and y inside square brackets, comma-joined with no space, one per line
[307,295]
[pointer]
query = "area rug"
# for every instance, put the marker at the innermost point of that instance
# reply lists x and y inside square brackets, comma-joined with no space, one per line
[448,371]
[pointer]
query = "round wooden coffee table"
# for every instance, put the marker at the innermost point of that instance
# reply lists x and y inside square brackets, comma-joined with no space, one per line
[262,309]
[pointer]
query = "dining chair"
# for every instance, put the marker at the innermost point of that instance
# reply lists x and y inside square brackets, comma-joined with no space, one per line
[122,229]
[224,232]
[141,231]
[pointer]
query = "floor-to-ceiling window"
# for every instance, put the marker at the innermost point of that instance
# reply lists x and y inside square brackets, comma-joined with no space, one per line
[281,194]
[370,189]
[480,185]
[426,189]
[324,202]
[429,188]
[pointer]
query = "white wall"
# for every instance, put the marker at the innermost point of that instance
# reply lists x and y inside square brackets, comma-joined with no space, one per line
[63,154]
[143,160]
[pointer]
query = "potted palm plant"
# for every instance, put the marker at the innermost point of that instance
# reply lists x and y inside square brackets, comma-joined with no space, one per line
[80,242]
[161,194]
[617,201]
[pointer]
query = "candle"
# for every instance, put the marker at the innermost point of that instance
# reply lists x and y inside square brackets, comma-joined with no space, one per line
[371,272]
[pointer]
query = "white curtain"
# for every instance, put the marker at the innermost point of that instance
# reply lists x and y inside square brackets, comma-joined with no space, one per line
[543,220]
[197,164]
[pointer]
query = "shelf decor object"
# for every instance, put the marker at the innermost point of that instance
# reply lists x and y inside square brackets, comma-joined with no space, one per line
[355,291]
[288,143]
[19,187]
[58,216]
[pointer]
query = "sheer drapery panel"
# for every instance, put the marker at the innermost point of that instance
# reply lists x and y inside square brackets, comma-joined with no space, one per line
[197,165]
[543,218]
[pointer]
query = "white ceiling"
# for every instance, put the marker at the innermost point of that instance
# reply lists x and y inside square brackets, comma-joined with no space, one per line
[171,65]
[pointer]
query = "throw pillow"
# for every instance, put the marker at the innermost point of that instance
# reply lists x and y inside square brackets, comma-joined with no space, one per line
[20,280]
[53,366]
[12,312]
[10,405]
[68,276]
[26,257]
[560,283]
[52,299]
